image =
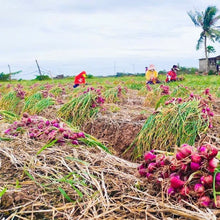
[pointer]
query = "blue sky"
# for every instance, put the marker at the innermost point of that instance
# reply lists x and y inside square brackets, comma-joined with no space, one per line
[99,36]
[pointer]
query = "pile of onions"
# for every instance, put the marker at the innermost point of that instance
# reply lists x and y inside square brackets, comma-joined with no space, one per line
[41,130]
[187,175]
[165,90]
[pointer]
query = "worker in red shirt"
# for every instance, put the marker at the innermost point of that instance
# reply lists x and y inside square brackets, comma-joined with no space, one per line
[80,79]
[172,74]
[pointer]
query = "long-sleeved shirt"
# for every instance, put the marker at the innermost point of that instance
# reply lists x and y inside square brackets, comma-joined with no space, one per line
[80,78]
[171,76]
[151,75]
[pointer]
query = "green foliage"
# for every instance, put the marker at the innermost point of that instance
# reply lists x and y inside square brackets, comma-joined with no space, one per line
[41,105]
[9,102]
[3,191]
[4,77]
[188,70]
[211,72]
[42,77]
[172,126]
[8,116]
[50,144]
[36,103]
[7,76]
[89,76]
[31,101]
[210,49]
[113,95]
[79,109]
[56,91]
[162,72]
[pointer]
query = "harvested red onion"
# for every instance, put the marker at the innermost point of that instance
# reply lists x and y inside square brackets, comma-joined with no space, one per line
[206,180]
[180,156]
[199,189]
[141,166]
[25,115]
[194,166]
[186,150]
[196,158]
[7,131]
[217,202]
[56,125]
[211,169]
[207,109]
[173,167]
[142,171]
[211,114]
[171,191]
[29,120]
[217,177]
[176,182]
[150,176]
[152,167]
[217,186]
[184,191]
[80,135]
[184,167]
[203,150]
[61,130]
[149,156]
[213,152]
[204,201]
[213,163]
[75,142]
[47,123]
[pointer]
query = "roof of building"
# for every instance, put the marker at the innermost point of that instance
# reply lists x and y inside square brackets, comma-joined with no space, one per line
[217,58]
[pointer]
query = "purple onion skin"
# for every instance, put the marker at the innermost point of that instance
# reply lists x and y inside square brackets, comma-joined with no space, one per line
[217,177]
[194,166]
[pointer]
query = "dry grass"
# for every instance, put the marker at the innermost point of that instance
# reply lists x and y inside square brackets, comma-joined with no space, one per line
[79,183]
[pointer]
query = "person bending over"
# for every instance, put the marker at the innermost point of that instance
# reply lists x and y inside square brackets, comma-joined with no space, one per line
[80,79]
[172,74]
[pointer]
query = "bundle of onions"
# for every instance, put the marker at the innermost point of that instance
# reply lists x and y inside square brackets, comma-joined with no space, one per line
[188,174]
[46,131]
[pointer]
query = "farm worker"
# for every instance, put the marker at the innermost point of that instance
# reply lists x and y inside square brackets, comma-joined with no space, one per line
[172,74]
[151,75]
[80,79]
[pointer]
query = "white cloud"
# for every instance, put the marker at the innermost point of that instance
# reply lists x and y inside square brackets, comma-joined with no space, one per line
[70,34]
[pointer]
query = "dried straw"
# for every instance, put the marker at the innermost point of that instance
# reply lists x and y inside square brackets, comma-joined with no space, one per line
[65,182]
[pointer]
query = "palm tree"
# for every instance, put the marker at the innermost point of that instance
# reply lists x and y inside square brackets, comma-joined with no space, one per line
[206,20]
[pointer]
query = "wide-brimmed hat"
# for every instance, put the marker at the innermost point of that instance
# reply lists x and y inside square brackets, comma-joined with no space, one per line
[151,67]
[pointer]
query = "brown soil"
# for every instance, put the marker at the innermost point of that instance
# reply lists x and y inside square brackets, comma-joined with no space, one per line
[118,129]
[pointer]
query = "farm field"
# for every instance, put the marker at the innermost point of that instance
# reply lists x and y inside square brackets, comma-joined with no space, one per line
[112,149]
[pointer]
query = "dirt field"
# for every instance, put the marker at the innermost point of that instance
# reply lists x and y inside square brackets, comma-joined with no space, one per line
[113,189]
